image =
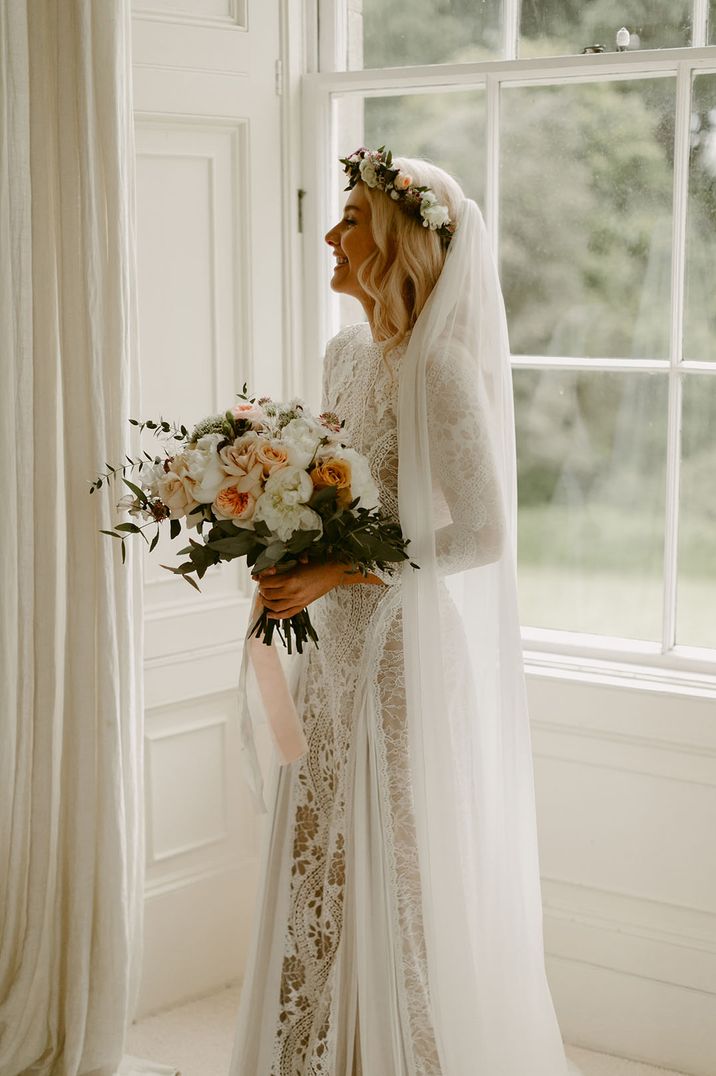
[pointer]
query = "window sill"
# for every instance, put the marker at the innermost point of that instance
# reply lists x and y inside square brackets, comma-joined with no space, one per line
[620,663]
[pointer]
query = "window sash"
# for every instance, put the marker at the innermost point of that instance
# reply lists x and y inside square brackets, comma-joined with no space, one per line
[321,90]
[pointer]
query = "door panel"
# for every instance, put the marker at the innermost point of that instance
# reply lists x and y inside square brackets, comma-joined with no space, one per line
[211,318]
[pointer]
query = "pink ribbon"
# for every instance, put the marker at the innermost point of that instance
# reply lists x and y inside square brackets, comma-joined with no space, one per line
[281,714]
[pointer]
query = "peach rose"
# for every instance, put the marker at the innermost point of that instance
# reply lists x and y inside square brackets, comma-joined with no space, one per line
[175,492]
[234,503]
[271,455]
[333,472]
[402,181]
[241,463]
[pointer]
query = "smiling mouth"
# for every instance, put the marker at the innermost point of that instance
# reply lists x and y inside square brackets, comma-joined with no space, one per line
[340,262]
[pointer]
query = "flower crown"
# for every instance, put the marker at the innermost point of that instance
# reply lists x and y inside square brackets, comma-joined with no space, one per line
[375,168]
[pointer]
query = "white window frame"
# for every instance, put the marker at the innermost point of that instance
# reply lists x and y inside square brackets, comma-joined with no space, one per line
[661,666]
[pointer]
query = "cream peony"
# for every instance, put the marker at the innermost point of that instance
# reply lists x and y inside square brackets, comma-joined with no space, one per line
[301,437]
[282,505]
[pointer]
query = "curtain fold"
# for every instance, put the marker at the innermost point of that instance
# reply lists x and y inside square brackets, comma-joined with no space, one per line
[71,832]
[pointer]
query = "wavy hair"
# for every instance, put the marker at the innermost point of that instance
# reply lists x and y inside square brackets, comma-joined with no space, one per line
[403,269]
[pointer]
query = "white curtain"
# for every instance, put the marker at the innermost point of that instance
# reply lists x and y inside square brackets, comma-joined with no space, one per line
[70,617]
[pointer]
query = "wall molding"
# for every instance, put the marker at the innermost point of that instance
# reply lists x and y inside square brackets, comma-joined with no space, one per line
[650,756]
[236,17]
[188,876]
[648,939]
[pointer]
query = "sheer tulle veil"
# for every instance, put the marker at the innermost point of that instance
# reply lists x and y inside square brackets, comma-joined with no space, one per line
[467,712]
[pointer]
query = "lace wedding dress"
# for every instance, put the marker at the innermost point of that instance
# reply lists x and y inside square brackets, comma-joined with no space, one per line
[339,934]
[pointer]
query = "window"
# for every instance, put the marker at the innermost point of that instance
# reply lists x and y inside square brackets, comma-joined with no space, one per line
[596,174]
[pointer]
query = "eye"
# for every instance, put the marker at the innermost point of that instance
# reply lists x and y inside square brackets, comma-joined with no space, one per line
[349,220]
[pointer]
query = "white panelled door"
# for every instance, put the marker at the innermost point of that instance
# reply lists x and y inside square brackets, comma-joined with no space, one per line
[211,318]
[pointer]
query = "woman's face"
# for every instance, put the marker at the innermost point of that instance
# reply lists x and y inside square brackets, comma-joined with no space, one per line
[352,242]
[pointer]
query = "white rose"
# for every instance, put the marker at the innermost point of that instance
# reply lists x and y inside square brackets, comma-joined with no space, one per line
[301,437]
[368,173]
[282,505]
[150,475]
[362,484]
[205,473]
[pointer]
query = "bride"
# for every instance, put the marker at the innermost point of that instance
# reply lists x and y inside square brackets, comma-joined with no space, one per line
[399,925]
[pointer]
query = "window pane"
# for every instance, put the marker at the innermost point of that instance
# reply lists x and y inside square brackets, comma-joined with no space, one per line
[556,27]
[585,218]
[700,305]
[406,32]
[591,450]
[447,128]
[696,605]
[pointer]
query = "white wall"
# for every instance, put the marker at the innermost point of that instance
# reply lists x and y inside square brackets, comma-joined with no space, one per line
[626,796]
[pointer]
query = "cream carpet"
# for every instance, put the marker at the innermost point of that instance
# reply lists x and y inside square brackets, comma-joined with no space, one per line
[197,1038]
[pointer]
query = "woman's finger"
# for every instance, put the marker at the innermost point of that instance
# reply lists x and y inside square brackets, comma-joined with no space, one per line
[277,583]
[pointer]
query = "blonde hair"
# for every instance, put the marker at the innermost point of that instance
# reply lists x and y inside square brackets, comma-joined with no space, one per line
[403,269]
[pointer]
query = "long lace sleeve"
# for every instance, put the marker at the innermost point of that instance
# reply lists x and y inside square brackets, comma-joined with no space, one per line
[465,484]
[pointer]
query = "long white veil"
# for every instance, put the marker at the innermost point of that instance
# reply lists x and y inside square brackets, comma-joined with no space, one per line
[470,752]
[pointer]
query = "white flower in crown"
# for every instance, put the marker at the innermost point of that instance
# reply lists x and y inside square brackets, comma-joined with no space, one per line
[368,172]
[433,214]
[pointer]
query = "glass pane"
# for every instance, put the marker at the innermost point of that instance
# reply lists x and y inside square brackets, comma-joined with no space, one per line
[696,620]
[446,128]
[591,454]
[700,302]
[585,219]
[406,32]
[557,27]
[711,35]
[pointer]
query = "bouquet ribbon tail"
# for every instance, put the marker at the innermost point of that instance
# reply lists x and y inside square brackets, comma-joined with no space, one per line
[281,714]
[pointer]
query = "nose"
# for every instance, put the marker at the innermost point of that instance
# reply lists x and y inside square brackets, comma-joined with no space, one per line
[331,238]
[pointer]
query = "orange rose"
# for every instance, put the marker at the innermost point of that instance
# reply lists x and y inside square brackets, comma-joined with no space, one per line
[333,472]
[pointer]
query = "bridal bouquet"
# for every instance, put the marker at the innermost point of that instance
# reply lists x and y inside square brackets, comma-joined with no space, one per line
[266,481]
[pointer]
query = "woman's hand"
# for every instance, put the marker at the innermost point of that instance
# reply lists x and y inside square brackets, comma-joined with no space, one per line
[286,593]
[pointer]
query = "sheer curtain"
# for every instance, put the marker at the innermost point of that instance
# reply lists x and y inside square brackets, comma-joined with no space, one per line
[70,617]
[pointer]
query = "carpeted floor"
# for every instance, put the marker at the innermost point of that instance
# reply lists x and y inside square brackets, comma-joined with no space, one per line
[197,1038]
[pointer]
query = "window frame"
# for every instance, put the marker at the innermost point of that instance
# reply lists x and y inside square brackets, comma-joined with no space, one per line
[548,652]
